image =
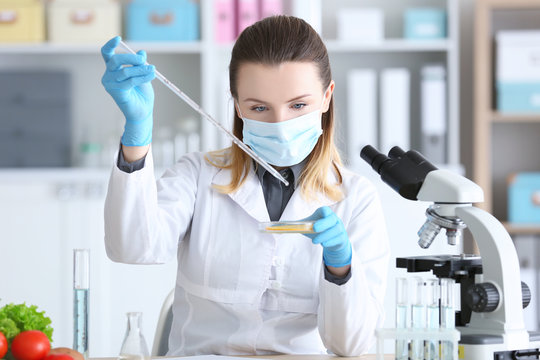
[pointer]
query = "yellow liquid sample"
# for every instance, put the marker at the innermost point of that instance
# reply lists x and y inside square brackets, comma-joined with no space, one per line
[297,228]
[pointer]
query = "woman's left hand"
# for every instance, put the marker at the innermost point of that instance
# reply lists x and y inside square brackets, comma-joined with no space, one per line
[331,234]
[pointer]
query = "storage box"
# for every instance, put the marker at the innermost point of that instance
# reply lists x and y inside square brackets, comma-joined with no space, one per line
[524,198]
[166,20]
[518,97]
[518,71]
[83,20]
[425,23]
[21,21]
[361,25]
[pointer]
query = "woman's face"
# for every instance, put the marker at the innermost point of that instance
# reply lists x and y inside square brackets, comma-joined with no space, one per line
[274,93]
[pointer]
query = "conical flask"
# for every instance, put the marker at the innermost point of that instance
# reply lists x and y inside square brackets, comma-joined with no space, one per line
[134,346]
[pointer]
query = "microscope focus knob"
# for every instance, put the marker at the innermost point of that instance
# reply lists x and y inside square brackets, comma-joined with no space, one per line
[525,294]
[483,297]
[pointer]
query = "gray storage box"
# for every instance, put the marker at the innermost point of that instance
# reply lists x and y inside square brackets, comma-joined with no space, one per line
[35,126]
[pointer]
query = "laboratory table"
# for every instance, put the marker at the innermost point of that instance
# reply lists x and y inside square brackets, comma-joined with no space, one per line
[318,357]
[288,357]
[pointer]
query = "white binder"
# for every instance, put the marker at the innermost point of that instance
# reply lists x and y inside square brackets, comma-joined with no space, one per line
[310,11]
[226,111]
[395,109]
[434,110]
[361,112]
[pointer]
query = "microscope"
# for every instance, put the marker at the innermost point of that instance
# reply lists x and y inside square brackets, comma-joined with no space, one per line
[493,297]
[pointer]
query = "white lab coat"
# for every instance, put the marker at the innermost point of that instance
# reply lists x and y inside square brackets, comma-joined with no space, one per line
[240,291]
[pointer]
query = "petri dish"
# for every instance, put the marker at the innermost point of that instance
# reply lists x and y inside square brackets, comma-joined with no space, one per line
[287,227]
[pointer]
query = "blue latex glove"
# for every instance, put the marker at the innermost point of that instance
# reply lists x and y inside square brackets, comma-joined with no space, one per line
[331,234]
[132,91]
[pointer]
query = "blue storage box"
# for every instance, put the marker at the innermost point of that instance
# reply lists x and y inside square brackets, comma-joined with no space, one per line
[425,23]
[518,97]
[518,71]
[162,20]
[524,198]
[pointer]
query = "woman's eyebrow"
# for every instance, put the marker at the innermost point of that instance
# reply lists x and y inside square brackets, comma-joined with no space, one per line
[299,97]
[293,99]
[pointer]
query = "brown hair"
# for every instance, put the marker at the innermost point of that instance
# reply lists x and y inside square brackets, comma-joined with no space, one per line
[272,41]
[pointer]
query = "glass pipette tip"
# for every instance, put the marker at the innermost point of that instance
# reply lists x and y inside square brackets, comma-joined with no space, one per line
[207,116]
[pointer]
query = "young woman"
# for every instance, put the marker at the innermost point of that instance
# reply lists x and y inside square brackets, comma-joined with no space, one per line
[240,291]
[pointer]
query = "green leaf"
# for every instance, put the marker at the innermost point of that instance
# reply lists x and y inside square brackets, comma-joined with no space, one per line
[21,317]
[9,328]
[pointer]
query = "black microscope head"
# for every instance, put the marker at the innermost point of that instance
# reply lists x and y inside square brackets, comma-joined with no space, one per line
[403,171]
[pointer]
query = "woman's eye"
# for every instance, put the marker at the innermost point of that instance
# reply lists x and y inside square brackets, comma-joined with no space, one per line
[298,106]
[259,108]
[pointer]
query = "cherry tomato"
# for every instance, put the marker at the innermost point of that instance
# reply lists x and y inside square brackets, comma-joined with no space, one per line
[3,346]
[30,345]
[58,357]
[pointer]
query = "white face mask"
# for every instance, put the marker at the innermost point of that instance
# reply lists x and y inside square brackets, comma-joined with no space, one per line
[283,143]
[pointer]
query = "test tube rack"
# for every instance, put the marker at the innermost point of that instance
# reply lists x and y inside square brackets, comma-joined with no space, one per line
[410,334]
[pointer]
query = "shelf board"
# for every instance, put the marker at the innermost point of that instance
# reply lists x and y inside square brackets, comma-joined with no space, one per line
[391,45]
[56,48]
[522,229]
[52,174]
[499,117]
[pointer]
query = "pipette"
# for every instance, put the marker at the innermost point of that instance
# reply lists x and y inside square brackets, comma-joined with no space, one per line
[205,115]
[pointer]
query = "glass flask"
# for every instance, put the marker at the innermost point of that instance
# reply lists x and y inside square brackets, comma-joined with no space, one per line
[134,346]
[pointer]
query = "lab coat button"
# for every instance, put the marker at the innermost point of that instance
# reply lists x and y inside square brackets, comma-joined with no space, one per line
[277,261]
[275,285]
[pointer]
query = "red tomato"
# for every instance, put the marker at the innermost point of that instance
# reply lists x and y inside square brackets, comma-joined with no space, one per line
[30,345]
[58,357]
[3,346]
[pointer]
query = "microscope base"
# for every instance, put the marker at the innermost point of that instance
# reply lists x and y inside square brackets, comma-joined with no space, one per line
[497,351]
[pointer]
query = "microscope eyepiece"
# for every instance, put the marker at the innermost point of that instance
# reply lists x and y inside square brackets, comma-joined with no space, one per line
[373,157]
[396,152]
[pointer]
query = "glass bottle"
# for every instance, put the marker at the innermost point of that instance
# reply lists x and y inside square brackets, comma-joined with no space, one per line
[134,346]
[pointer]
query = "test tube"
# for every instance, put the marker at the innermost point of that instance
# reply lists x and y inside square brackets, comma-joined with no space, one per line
[432,307]
[418,312]
[402,309]
[448,316]
[81,286]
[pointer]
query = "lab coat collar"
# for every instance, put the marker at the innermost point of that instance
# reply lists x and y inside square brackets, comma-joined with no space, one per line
[251,198]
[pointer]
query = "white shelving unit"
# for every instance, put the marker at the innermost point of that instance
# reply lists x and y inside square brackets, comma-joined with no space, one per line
[395,51]
[199,69]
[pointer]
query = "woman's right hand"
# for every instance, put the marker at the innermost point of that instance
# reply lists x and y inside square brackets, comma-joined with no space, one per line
[128,79]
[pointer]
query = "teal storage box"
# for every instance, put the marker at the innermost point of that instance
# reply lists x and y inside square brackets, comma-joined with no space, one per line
[162,20]
[524,198]
[425,23]
[518,97]
[517,71]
